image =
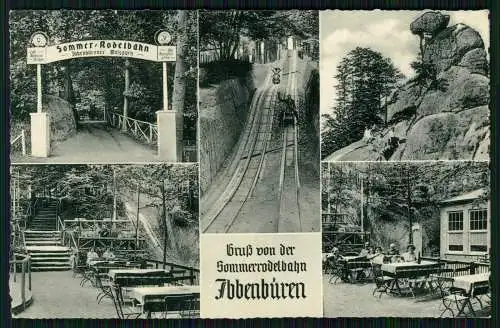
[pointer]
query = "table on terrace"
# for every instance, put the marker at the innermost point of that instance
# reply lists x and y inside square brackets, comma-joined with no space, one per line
[171,298]
[408,270]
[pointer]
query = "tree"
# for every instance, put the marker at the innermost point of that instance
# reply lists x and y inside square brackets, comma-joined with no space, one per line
[364,81]
[223,30]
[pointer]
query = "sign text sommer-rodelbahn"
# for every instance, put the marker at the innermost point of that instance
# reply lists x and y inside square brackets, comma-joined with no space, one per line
[101,48]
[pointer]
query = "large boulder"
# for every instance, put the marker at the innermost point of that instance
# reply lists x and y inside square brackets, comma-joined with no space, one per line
[449,46]
[404,100]
[463,90]
[475,60]
[62,119]
[462,135]
[431,22]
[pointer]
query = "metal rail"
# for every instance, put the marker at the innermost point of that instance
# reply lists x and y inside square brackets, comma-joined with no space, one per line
[252,138]
[290,137]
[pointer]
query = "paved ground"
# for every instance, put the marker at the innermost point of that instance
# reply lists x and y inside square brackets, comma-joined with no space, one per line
[356,300]
[58,295]
[96,144]
[15,290]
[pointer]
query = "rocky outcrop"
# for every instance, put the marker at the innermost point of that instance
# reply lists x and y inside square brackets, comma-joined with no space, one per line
[431,22]
[445,116]
[62,120]
[462,90]
[449,46]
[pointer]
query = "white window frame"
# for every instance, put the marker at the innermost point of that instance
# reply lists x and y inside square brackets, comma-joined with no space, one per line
[451,232]
[471,232]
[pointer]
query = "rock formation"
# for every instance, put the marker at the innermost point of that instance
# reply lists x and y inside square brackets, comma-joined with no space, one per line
[62,120]
[445,116]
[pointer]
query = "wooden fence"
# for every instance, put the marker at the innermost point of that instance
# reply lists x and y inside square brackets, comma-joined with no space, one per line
[141,130]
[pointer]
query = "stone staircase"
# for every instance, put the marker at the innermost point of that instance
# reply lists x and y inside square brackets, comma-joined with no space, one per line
[45,218]
[44,242]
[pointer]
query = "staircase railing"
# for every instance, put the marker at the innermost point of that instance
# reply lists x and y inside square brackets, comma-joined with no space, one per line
[20,138]
[25,262]
[24,240]
[141,130]
[59,223]
[60,227]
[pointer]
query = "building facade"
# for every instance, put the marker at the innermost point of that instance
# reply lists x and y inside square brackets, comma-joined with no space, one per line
[466,227]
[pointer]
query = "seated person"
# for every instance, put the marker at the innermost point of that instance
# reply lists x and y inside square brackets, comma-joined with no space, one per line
[91,255]
[104,232]
[108,254]
[365,251]
[410,255]
[393,250]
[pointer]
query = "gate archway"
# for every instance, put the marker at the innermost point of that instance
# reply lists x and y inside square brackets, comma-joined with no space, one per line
[166,133]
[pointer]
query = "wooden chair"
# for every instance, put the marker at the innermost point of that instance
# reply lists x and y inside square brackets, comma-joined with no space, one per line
[103,282]
[382,283]
[124,309]
[452,299]
[337,270]
[187,306]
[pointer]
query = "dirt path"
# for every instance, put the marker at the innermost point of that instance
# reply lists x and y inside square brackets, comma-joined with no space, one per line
[96,143]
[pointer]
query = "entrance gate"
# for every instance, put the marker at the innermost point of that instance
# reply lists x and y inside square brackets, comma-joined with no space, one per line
[168,130]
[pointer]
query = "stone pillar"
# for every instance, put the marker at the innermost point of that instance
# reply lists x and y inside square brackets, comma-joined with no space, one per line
[169,136]
[40,134]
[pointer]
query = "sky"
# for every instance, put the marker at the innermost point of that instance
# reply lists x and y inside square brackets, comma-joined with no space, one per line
[387,32]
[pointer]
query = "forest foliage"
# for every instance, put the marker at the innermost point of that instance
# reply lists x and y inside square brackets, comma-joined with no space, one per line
[396,193]
[365,80]
[227,30]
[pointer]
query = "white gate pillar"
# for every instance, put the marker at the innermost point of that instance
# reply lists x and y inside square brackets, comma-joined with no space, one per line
[40,134]
[40,122]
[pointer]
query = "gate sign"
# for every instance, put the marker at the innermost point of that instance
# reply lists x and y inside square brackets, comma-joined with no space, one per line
[166,53]
[36,56]
[100,48]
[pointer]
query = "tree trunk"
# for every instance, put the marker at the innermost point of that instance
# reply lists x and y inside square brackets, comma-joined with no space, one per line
[179,91]
[68,92]
[169,231]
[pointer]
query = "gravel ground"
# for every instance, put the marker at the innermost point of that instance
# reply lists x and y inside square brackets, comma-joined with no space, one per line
[59,295]
[356,300]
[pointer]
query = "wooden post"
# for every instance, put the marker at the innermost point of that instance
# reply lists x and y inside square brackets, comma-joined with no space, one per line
[137,220]
[362,211]
[29,273]
[23,140]
[165,86]
[163,196]
[39,88]
[408,198]
[114,197]
[15,267]
[23,281]
[125,94]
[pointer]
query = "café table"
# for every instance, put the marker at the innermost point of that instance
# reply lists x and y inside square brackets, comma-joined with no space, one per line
[408,270]
[472,285]
[155,299]
[353,266]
